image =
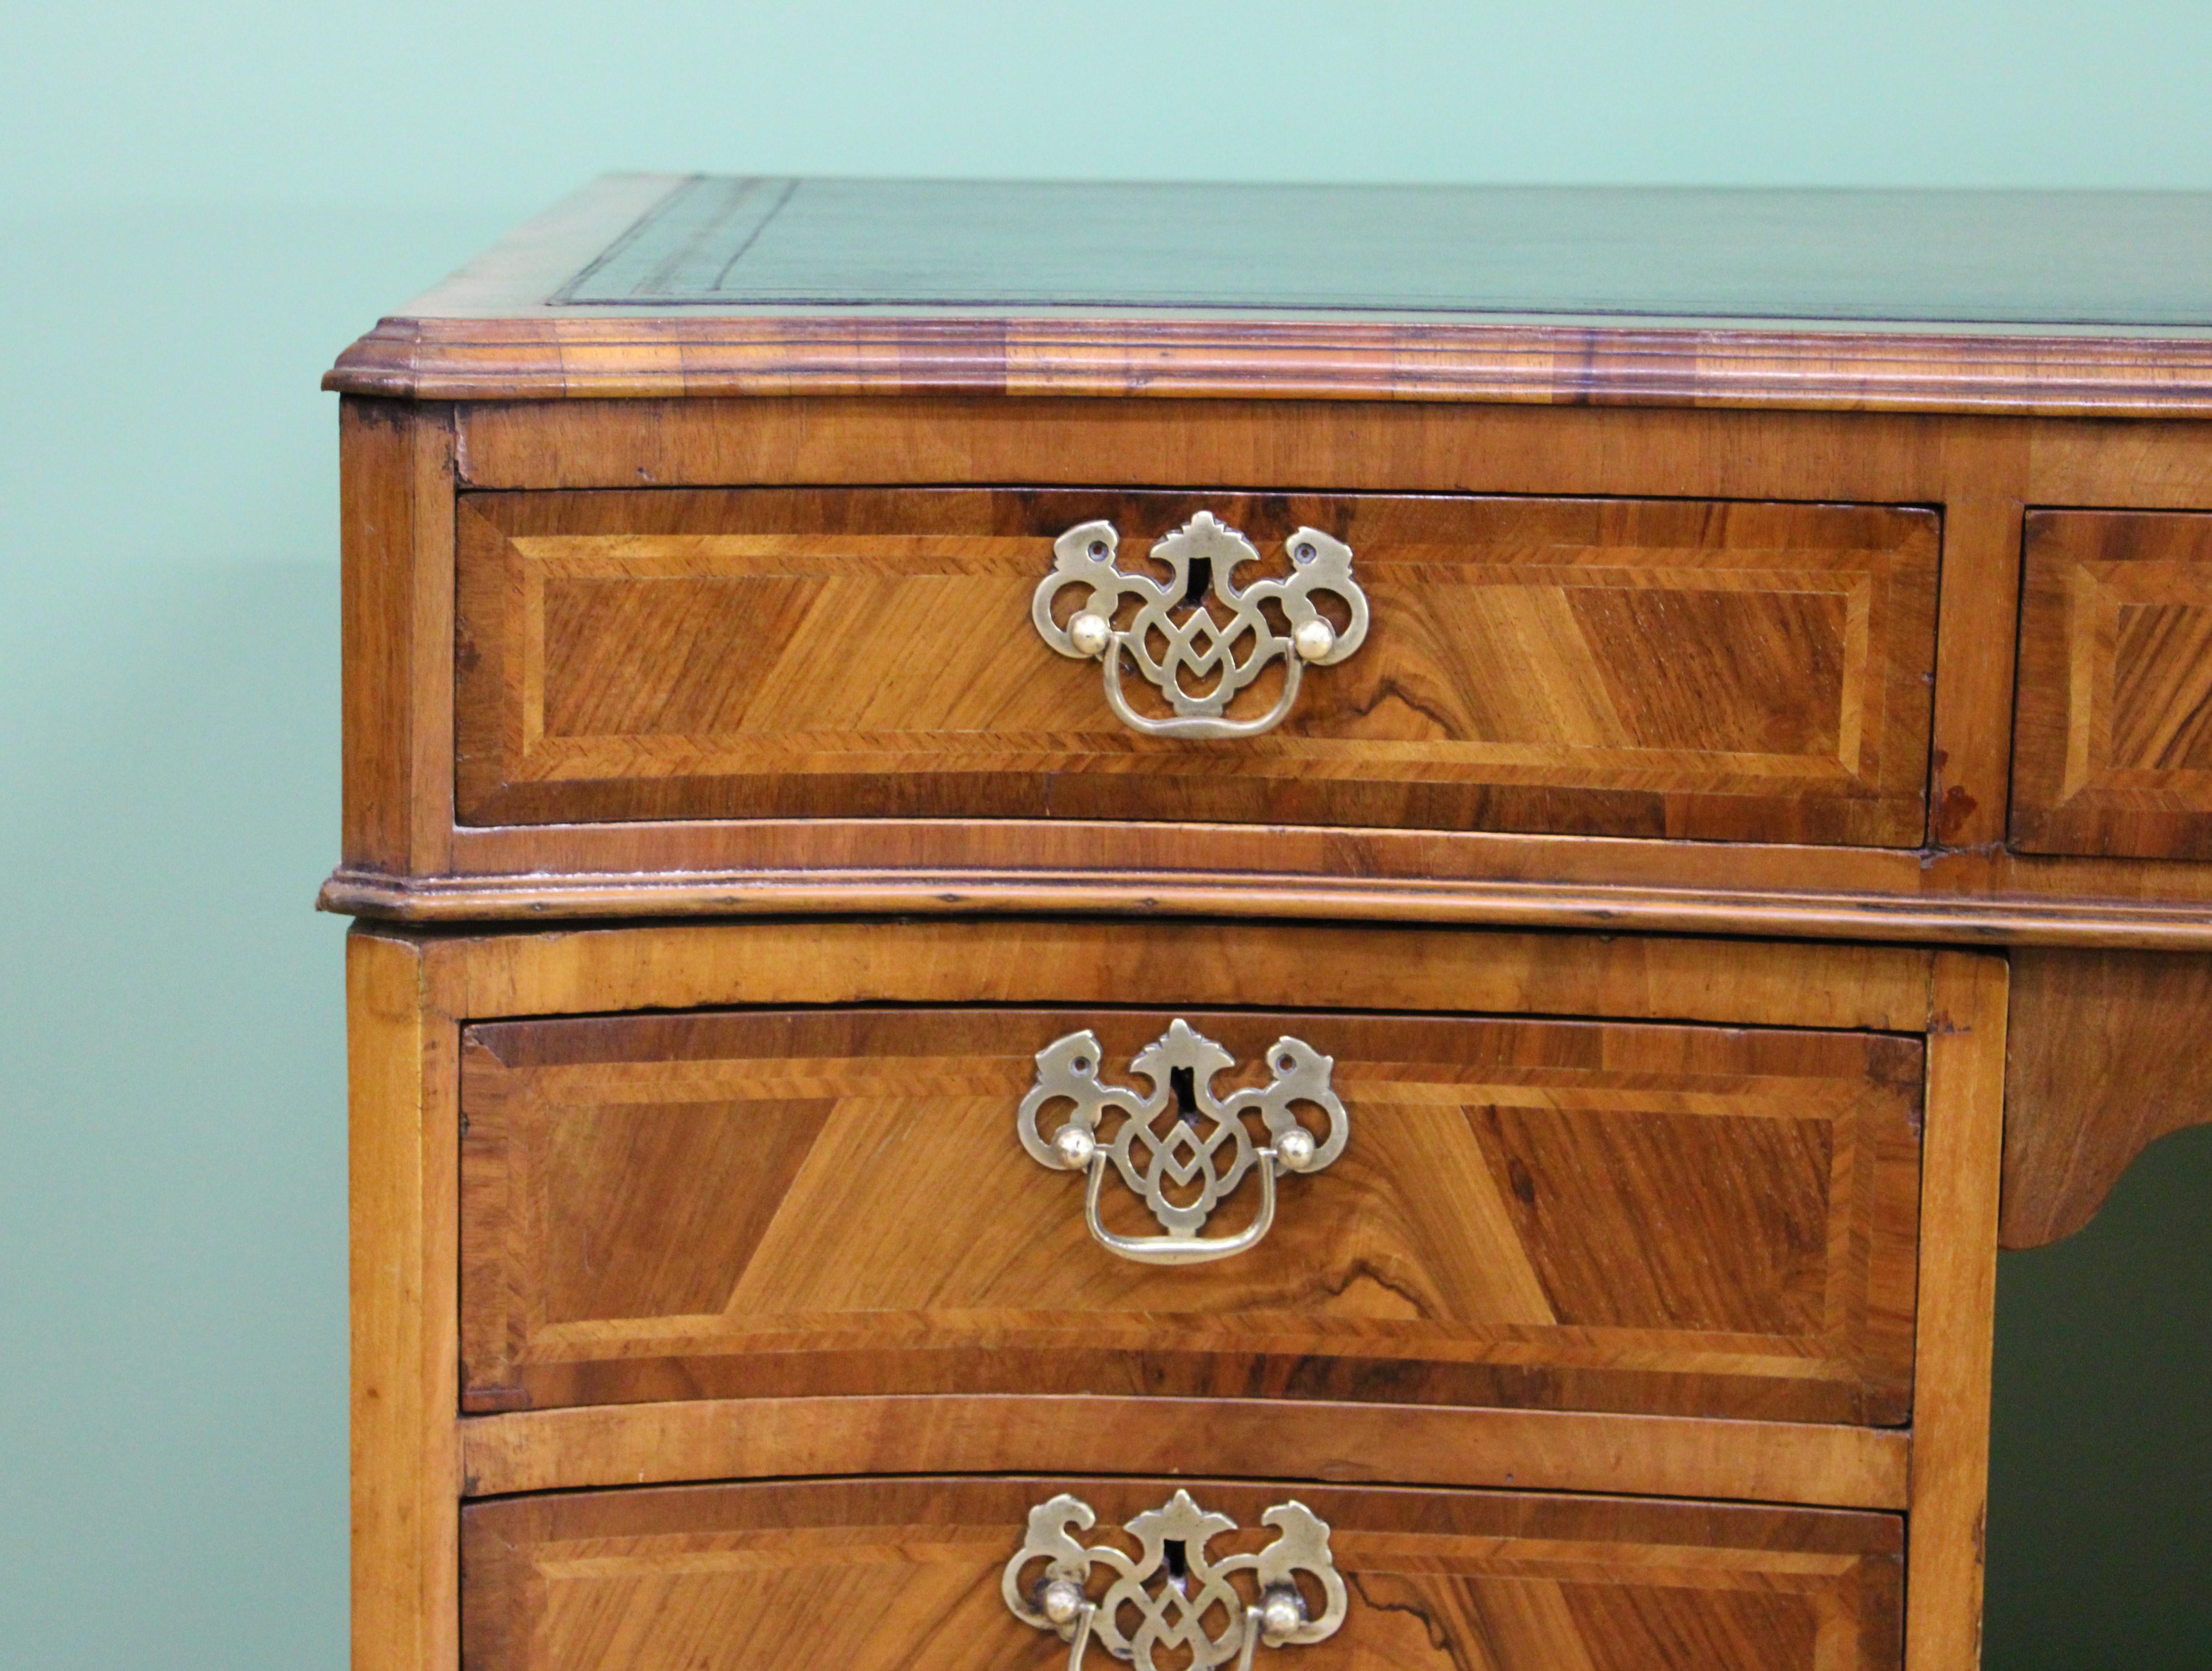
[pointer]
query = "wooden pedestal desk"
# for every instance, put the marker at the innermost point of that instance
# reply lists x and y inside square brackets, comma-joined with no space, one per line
[1266,925]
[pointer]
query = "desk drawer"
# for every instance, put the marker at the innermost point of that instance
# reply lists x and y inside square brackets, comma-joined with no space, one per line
[2113,746]
[1539,1213]
[1620,667]
[871,1574]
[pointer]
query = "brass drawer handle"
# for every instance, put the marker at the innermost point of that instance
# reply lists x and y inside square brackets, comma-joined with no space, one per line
[1171,1585]
[1202,557]
[1182,1134]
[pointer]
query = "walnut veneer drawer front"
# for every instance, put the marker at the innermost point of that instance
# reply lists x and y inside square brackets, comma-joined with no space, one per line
[2113,747]
[1588,1215]
[1603,667]
[870,1575]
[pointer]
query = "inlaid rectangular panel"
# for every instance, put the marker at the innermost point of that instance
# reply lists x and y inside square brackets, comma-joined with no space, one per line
[873,1575]
[1659,668]
[2112,741]
[1536,1213]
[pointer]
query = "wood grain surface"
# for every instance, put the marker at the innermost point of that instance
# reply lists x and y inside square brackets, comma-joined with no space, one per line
[1533,1213]
[2107,1055]
[921,439]
[406,1474]
[1651,668]
[396,553]
[871,1574]
[2114,742]
[1955,1323]
[1103,961]
[1552,1450]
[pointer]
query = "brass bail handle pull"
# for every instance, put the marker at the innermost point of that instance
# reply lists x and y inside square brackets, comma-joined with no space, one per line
[1255,1627]
[1182,616]
[1171,1598]
[1182,1148]
[1064,1602]
[1173,1249]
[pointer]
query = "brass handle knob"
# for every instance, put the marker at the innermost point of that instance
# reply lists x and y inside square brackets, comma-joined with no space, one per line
[1171,1595]
[1202,558]
[1181,1134]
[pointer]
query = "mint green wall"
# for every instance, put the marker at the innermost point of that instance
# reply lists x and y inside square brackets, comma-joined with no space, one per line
[199,205]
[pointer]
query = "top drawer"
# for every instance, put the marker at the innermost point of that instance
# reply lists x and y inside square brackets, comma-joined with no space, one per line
[1620,667]
[2112,736]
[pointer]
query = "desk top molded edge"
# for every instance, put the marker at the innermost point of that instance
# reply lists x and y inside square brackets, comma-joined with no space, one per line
[491,333]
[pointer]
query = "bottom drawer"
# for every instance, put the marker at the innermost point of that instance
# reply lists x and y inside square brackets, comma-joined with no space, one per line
[868,1575]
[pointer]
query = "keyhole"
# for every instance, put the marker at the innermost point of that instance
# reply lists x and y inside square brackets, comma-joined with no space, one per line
[1198,581]
[1178,1563]
[1184,1084]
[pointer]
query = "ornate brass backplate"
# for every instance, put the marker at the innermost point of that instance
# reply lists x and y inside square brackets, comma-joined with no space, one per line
[1173,1595]
[1181,1140]
[1202,662]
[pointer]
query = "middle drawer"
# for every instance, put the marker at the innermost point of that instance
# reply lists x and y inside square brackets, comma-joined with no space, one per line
[1594,1215]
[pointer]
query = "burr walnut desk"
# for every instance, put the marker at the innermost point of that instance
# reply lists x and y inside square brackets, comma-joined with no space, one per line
[1222,926]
